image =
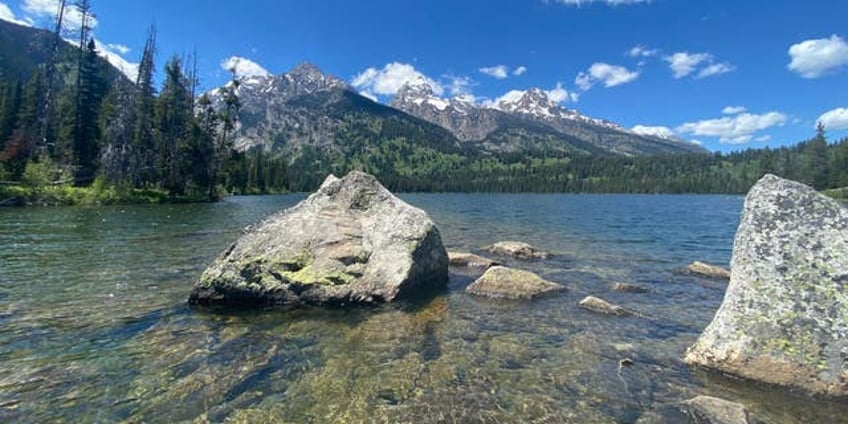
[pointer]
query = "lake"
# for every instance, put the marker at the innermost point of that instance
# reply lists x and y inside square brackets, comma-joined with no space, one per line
[94,325]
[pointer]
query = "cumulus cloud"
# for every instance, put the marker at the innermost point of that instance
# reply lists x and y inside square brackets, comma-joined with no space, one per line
[519,71]
[609,75]
[46,9]
[6,14]
[560,95]
[657,131]
[498,71]
[683,64]
[715,69]
[819,57]
[608,2]
[458,85]
[836,119]
[736,129]
[733,110]
[118,48]
[243,67]
[388,80]
[642,51]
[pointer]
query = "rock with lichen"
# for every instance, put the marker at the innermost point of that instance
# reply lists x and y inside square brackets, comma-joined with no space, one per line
[508,283]
[784,319]
[350,242]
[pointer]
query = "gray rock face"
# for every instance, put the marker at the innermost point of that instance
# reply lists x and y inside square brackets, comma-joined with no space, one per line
[711,410]
[596,304]
[517,249]
[507,283]
[784,319]
[706,270]
[350,242]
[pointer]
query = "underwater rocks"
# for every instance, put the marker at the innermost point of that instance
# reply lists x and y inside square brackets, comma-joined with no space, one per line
[596,304]
[784,319]
[508,283]
[517,249]
[711,410]
[629,288]
[470,260]
[350,242]
[706,270]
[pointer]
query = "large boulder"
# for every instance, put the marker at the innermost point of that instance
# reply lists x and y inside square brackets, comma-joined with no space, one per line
[350,242]
[784,319]
[507,283]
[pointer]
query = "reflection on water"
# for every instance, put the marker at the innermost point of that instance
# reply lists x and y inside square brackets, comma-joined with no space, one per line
[93,325]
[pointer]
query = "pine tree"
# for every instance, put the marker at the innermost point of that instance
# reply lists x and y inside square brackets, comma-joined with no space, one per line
[143,169]
[173,121]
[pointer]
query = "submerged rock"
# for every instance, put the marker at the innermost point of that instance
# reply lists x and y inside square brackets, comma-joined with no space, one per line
[706,270]
[517,249]
[711,410]
[629,288]
[508,283]
[470,260]
[350,242]
[596,304]
[784,319]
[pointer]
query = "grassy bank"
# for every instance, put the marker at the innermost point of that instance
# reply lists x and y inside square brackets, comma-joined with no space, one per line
[96,194]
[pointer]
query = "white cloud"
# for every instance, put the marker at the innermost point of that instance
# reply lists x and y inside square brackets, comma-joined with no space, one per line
[819,57]
[609,75]
[836,119]
[114,56]
[608,2]
[390,79]
[118,48]
[683,64]
[658,131]
[498,71]
[559,94]
[509,97]
[519,71]
[763,139]
[46,9]
[715,69]
[458,85]
[736,129]
[733,110]
[6,14]
[243,67]
[642,51]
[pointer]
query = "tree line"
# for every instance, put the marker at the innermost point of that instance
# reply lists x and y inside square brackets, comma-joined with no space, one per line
[101,126]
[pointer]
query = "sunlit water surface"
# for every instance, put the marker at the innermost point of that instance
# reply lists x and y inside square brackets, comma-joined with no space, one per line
[94,325]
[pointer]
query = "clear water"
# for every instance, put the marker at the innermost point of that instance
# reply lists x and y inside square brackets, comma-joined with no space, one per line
[94,326]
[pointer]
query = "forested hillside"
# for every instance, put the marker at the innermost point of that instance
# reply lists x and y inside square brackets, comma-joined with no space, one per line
[75,128]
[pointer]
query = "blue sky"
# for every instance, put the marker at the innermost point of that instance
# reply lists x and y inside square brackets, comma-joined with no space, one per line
[729,74]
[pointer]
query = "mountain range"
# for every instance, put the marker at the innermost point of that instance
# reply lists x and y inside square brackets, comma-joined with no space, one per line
[306,107]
